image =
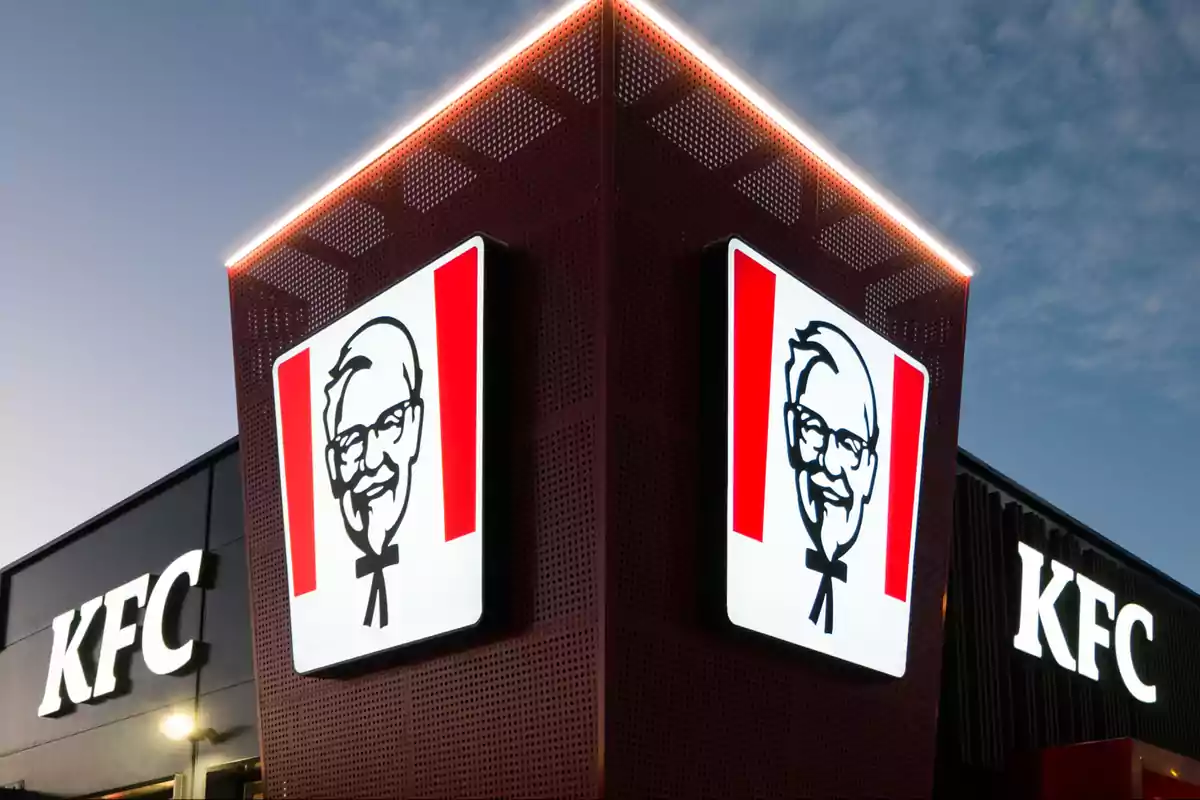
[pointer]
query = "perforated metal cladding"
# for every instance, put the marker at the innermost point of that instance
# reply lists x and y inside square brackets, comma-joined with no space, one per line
[641,66]
[830,195]
[566,539]
[353,227]
[704,126]
[574,65]
[778,187]
[265,320]
[693,709]
[566,341]
[607,679]
[321,286]
[899,288]
[520,116]
[514,697]
[861,242]
[511,710]
[905,286]
[432,177]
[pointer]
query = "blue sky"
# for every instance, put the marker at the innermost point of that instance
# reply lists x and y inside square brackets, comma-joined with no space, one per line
[1055,141]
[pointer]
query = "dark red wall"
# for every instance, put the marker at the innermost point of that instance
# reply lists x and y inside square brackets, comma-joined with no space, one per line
[606,161]
[693,709]
[514,712]
[1162,787]
[1095,771]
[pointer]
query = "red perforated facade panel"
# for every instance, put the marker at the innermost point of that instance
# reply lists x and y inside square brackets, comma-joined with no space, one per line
[691,709]
[605,158]
[512,712]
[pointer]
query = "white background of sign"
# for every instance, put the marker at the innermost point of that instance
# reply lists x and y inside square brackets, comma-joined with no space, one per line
[437,586]
[769,588]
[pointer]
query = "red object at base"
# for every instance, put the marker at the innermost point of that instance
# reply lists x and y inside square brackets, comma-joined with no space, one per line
[1096,770]
[1117,768]
[1161,787]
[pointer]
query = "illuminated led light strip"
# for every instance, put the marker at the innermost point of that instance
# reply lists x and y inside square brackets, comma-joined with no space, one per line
[805,138]
[537,32]
[668,26]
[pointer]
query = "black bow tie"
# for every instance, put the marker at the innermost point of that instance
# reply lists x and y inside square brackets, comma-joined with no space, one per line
[374,564]
[817,561]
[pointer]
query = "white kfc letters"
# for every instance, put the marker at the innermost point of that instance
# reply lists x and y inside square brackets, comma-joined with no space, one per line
[1038,613]
[161,658]
[119,633]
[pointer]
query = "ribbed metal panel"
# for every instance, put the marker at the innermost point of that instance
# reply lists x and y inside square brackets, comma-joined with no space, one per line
[999,705]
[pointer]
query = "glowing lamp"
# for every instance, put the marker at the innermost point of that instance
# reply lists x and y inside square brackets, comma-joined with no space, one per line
[180,726]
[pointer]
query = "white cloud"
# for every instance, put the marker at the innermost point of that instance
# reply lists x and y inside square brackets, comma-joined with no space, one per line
[1054,140]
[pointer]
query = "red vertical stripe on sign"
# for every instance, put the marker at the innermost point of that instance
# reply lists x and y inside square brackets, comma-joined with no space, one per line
[753,321]
[295,411]
[908,395]
[455,288]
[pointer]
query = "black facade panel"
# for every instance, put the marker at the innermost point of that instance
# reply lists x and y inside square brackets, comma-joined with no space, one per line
[227,622]
[999,705]
[129,751]
[233,713]
[144,539]
[23,670]
[117,742]
[227,503]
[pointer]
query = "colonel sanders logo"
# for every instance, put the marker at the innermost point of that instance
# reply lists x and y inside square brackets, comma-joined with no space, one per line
[822,499]
[379,420]
[373,417]
[831,447]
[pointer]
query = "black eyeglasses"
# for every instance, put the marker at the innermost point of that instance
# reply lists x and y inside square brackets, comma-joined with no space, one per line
[811,430]
[351,444]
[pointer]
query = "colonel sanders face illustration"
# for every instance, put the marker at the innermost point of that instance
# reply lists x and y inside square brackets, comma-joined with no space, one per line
[373,417]
[832,431]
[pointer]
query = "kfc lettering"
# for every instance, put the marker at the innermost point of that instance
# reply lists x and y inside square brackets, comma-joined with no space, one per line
[66,663]
[1038,613]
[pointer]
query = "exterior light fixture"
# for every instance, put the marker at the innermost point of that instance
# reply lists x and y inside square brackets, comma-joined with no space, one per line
[180,726]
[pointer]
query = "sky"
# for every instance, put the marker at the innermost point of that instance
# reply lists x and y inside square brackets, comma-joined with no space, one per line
[1056,142]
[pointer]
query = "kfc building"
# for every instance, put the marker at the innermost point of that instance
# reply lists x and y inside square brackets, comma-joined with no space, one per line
[119,636]
[597,436]
[1068,663]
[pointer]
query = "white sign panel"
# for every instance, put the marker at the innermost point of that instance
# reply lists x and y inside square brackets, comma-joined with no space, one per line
[380,423]
[826,426]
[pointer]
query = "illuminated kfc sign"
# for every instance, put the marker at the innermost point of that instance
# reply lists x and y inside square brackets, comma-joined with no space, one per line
[380,430]
[119,630]
[826,422]
[1039,615]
